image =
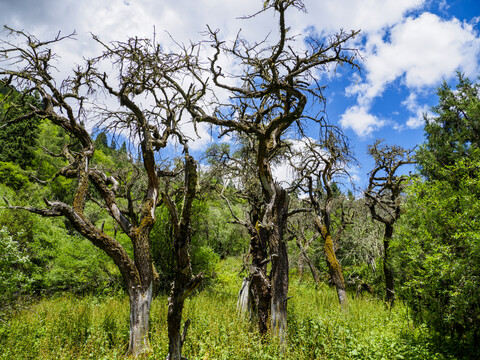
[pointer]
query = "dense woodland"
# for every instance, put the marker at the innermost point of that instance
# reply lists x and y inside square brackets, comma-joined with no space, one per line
[115,239]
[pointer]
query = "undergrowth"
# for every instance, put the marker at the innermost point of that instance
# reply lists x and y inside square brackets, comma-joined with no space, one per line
[66,327]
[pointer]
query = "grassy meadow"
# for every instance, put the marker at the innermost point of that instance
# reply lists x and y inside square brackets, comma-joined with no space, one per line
[66,327]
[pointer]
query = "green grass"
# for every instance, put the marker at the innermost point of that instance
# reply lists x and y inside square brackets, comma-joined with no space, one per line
[92,328]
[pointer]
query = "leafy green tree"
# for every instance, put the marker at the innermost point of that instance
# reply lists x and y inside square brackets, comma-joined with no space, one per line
[454,133]
[101,141]
[11,175]
[438,244]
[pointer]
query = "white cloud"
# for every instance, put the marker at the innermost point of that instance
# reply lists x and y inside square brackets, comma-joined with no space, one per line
[367,15]
[199,137]
[417,119]
[421,52]
[360,120]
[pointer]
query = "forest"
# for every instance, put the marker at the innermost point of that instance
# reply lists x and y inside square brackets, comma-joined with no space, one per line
[117,240]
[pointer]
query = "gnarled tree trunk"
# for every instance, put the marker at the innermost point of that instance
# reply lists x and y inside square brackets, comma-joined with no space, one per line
[276,217]
[259,281]
[140,302]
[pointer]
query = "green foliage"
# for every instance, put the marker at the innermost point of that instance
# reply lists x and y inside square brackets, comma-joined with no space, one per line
[440,251]
[161,247]
[92,328]
[58,260]
[455,132]
[18,139]
[212,238]
[12,175]
[101,141]
[360,247]
[212,227]
[438,245]
[204,259]
[13,265]
[80,268]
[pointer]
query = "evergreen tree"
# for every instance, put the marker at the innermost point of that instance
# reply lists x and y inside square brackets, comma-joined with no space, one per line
[18,140]
[439,243]
[454,133]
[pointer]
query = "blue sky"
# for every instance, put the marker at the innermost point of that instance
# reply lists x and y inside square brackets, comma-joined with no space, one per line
[409,47]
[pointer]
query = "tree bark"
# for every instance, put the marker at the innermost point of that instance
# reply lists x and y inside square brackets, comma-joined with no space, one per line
[183,285]
[260,282]
[277,215]
[387,266]
[301,265]
[313,270]
[174,318]
[334,266]
[140,302]
[244,306]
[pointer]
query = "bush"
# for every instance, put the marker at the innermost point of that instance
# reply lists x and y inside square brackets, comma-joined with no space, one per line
[439,252]
[13,264]
[204,259]
[12,175]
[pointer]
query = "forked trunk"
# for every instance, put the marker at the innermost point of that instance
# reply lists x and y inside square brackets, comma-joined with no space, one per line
[140,302]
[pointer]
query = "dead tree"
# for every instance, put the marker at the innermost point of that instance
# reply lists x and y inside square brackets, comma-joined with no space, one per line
[319,165]
[384,198]
[139,72]
[268,96]
[255,295]
[184,283]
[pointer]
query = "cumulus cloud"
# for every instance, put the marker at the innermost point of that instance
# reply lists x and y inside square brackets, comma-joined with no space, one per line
[359,119]
[369,16]
[418,111]
[421,52]
[199,137]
